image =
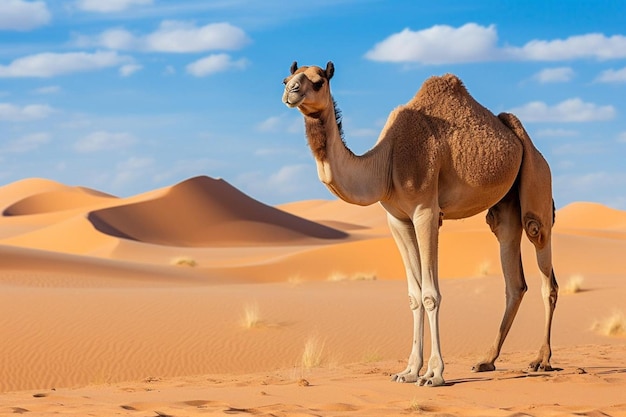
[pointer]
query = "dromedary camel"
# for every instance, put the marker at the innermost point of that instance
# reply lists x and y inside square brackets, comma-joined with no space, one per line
[440,156]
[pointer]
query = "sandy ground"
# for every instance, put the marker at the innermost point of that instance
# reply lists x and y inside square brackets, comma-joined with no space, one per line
[195,299]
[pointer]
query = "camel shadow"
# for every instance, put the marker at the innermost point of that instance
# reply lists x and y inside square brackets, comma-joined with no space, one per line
[507,375]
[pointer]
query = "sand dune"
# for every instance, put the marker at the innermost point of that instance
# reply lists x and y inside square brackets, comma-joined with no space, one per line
[206,212]
[138,306]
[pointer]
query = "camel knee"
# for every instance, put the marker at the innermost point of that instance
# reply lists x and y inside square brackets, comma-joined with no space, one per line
[536,231]
[431,302]
[414,304]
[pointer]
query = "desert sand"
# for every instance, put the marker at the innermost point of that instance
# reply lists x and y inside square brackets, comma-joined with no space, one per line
[196,299]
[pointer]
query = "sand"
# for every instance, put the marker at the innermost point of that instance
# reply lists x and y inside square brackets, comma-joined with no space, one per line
[196,299]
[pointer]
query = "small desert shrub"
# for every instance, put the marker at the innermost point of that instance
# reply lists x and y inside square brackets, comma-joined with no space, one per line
[614,325]
[574,285]
[313,353]
[251,317]
[184,261]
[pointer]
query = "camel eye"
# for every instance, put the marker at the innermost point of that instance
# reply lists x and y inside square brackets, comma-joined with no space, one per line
[318,84]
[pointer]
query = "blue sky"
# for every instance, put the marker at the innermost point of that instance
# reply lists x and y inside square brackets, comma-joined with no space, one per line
[125,96]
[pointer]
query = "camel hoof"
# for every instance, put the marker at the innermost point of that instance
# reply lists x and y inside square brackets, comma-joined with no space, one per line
[436,381]
[403,379]
[538,366]
[484,367]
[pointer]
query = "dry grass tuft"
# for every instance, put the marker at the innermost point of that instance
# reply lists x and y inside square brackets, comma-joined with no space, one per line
[251,316]
[184,261]
[574,285]
[614,325]
[313,352]
[372,355]
[357,276]
[483,268]
[295,280]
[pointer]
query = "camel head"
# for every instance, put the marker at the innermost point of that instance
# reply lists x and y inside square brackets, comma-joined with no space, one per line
[308,88]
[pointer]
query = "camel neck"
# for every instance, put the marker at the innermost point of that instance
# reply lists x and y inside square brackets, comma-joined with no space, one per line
[361,180]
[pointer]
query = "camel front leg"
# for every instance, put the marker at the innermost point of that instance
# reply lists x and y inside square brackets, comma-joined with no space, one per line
[404,235]
[426,222]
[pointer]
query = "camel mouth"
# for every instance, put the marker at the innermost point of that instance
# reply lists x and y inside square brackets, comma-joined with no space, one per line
[291,101]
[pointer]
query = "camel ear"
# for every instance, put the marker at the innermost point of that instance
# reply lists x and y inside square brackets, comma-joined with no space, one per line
[294,67]
[330,70]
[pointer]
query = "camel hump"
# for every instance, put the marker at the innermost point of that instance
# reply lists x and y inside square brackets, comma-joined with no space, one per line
[535,184]
[447,83]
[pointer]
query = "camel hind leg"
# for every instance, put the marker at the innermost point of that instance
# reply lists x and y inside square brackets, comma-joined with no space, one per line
[541,236]
[537,215]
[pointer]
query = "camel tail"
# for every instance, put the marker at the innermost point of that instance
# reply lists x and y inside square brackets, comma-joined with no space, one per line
[535,186]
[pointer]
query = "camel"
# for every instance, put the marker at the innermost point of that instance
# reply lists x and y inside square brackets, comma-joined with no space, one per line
[440,156]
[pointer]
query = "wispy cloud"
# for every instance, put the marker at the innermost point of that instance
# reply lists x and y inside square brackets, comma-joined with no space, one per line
[442,44]
[109,6]
[50,89]
[554,75]
[571,110]
[50,64]
[172,36]
[14,113]
[131,170]
[23,15]
[129,69]
[283,123]
[27,143]
[103,140]
[215,63]
[557,133]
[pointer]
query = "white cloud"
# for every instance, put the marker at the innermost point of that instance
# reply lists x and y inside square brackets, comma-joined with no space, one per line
[612,76]
[129,69]
[172,36]
[50,64]
[23,15]
[554,75]
[27,143]
[591,45]
[12,113]
[571,110]
[442,44]
[213,64]
[103,140]
[108,6]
